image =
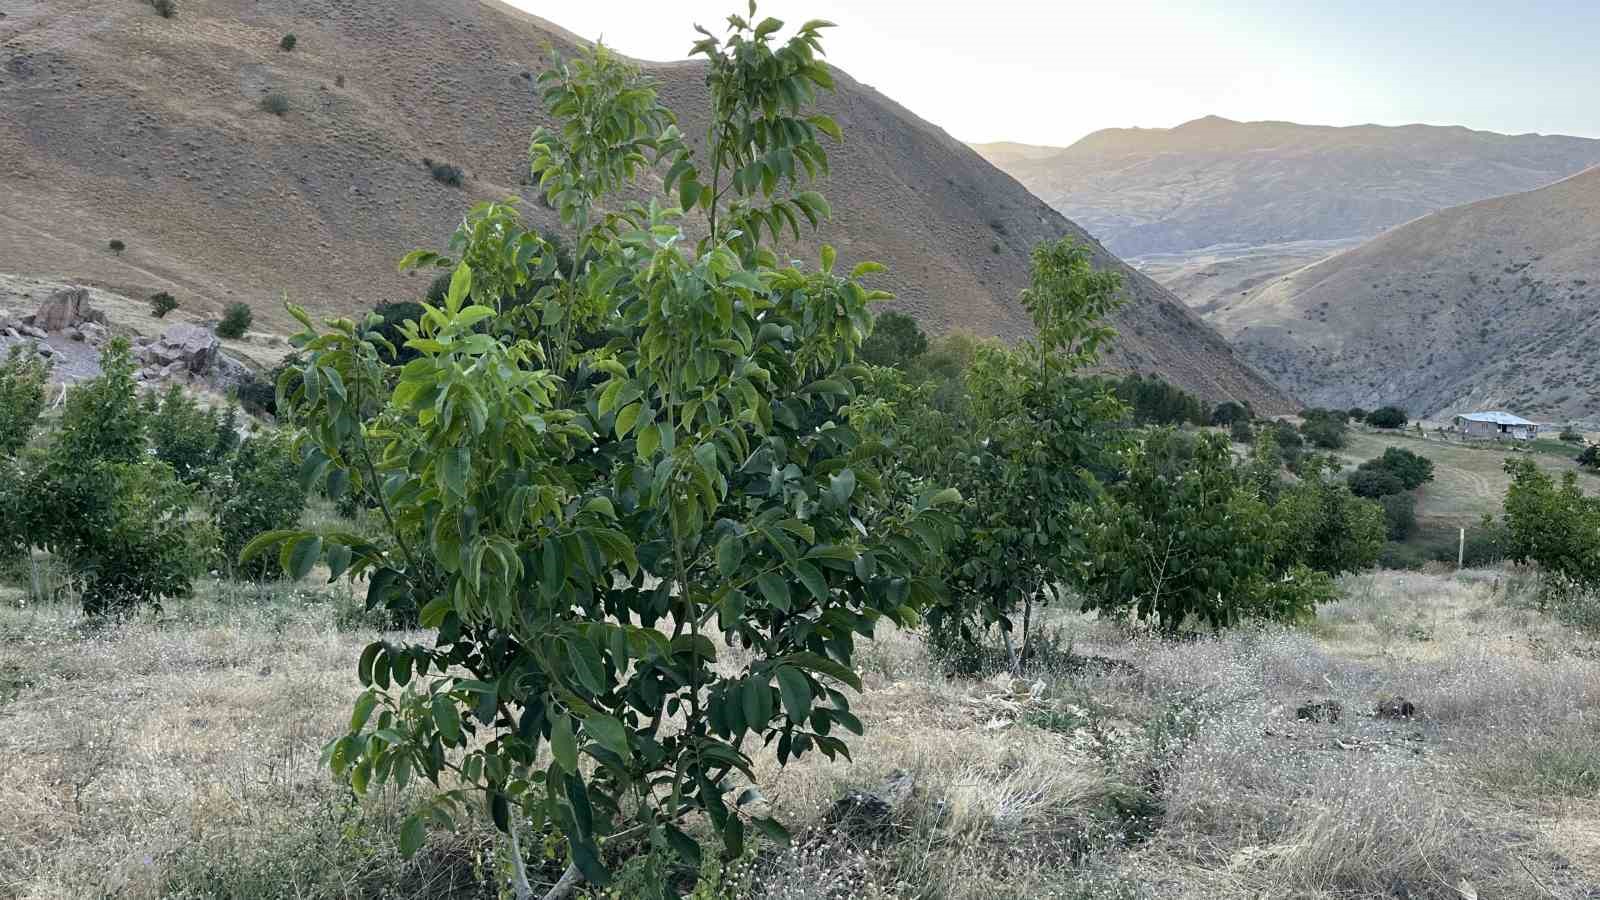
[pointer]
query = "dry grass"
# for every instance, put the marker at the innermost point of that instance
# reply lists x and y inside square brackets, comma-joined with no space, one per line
[179,757]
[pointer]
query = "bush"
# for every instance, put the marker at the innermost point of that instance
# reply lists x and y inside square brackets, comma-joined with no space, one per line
[1387,417]
[236,321]
[275,103]
[393,314]
[1554,526]
[1571,435]
[1399,515]
[1154,401]
[1323,525]
[162,303]
[1356,414]
[1413,469]
[116,246]
[444,173]
[1229,412]
[1325,433]
[261,493]
[23,376]
[186,437]
[165,8]
[1590,457]
[896,340]
[288,41]
[1374,483]
[1241,432]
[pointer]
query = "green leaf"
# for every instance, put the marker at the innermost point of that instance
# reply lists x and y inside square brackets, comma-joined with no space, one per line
[842,486]
[261,542]
[796,693]
[563,746]
[626,418]
[298,557]
[812,579]
[775,588]
[447,718]
[609,733]
[412,834]
[730,552]
[363,711]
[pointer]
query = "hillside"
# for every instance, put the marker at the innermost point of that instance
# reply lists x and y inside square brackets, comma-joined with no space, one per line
[1485,305]
[1214,207]
[118,124]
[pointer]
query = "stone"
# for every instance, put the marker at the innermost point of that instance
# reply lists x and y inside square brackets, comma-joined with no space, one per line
[869,813]
[13,334]
[31,331]
[94,333]
[72,334]
[44,349]
[1323,711]
[190,347]
[1396,707]
[66,308]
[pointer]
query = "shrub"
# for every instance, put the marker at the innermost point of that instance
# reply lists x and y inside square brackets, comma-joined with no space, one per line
[542,522]
[275,103]
[184,436]
[261,493]
[393,315]
[1324,525]
[116,246]
[1387,417]
[1325,433]
[444,173]
[896,340]
[1413,469]
[236,321]
[165,8]
[288,41]
[1399,515]
[1375,483]
[162,303]
[1554,526]
[1241,432]
[1571,435]
[23,376]
[1229,412]
[1590,457]
[1153,401]
[1356,414]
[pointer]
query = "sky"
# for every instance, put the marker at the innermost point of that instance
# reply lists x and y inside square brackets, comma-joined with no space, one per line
[1051,71]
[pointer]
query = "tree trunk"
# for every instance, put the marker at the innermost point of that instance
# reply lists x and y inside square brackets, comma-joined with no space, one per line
[519,869]
[564,888]
[1011,652]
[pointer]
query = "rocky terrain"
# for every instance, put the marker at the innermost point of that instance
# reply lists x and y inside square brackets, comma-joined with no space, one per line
[230,169]
[1487,305]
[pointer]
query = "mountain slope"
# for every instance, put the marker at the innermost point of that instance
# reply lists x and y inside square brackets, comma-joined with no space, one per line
[118,124]
[1491,304]
[1215,181]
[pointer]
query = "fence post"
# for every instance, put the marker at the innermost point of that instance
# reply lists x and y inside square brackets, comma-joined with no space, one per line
[1461,550]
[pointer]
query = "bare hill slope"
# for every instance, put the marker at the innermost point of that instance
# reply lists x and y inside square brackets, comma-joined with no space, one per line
[1491,304]
[118,124]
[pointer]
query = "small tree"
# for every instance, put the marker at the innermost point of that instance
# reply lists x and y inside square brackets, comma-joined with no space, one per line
[573,520]
[1387,417]
[1571,434]
[1375,482]
[1413,469]
[1590,457]
[1325,433]
[275,103]
[162,303]
[896,340]
[1399,515]
[1229,412]
[22,380]
[287,42]
[236,321]
[261,493]
[1356,414]
[1241,432]
[116,246]
[183,435]
[1553,525]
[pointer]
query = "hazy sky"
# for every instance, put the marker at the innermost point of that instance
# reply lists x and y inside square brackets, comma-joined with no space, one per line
[1051,71]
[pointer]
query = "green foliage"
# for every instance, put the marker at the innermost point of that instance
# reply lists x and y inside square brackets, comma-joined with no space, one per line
[1387,417]
[1230,411]
[896,340]
[572,519]
[1356,414]
[1553,525]
[236,321]
[393,315]
[1241,432]
[1590,457]
[162,303]
[1325,432]
[96,499]
[261,492]
[276,103]
[1375,482]
[444,173]
[1153,401]
[190,440]
[1186,536]
[1325,525]
[1571,434]
[116,246]
[287,42]
[1399,515]
[22,397]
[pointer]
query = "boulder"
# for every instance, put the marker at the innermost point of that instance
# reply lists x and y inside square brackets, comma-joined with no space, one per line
[72,334]
[192,346]
[869,813]
[1396,708]
[1327,711]
[94,333]
[31,331]
[66,308]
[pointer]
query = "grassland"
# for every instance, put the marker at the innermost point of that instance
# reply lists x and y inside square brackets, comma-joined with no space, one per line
[178,756]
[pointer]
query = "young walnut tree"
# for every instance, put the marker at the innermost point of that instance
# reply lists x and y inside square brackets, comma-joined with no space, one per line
[577,519]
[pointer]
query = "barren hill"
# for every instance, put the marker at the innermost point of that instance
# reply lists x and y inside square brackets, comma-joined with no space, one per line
[1215,207]
[118,124]
[1491,304]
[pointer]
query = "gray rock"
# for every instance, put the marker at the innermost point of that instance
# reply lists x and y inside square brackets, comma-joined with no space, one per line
[72,334]
[30,331]
[190,347]
[870,813]
[94,333]
[45,349]
[65,309]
